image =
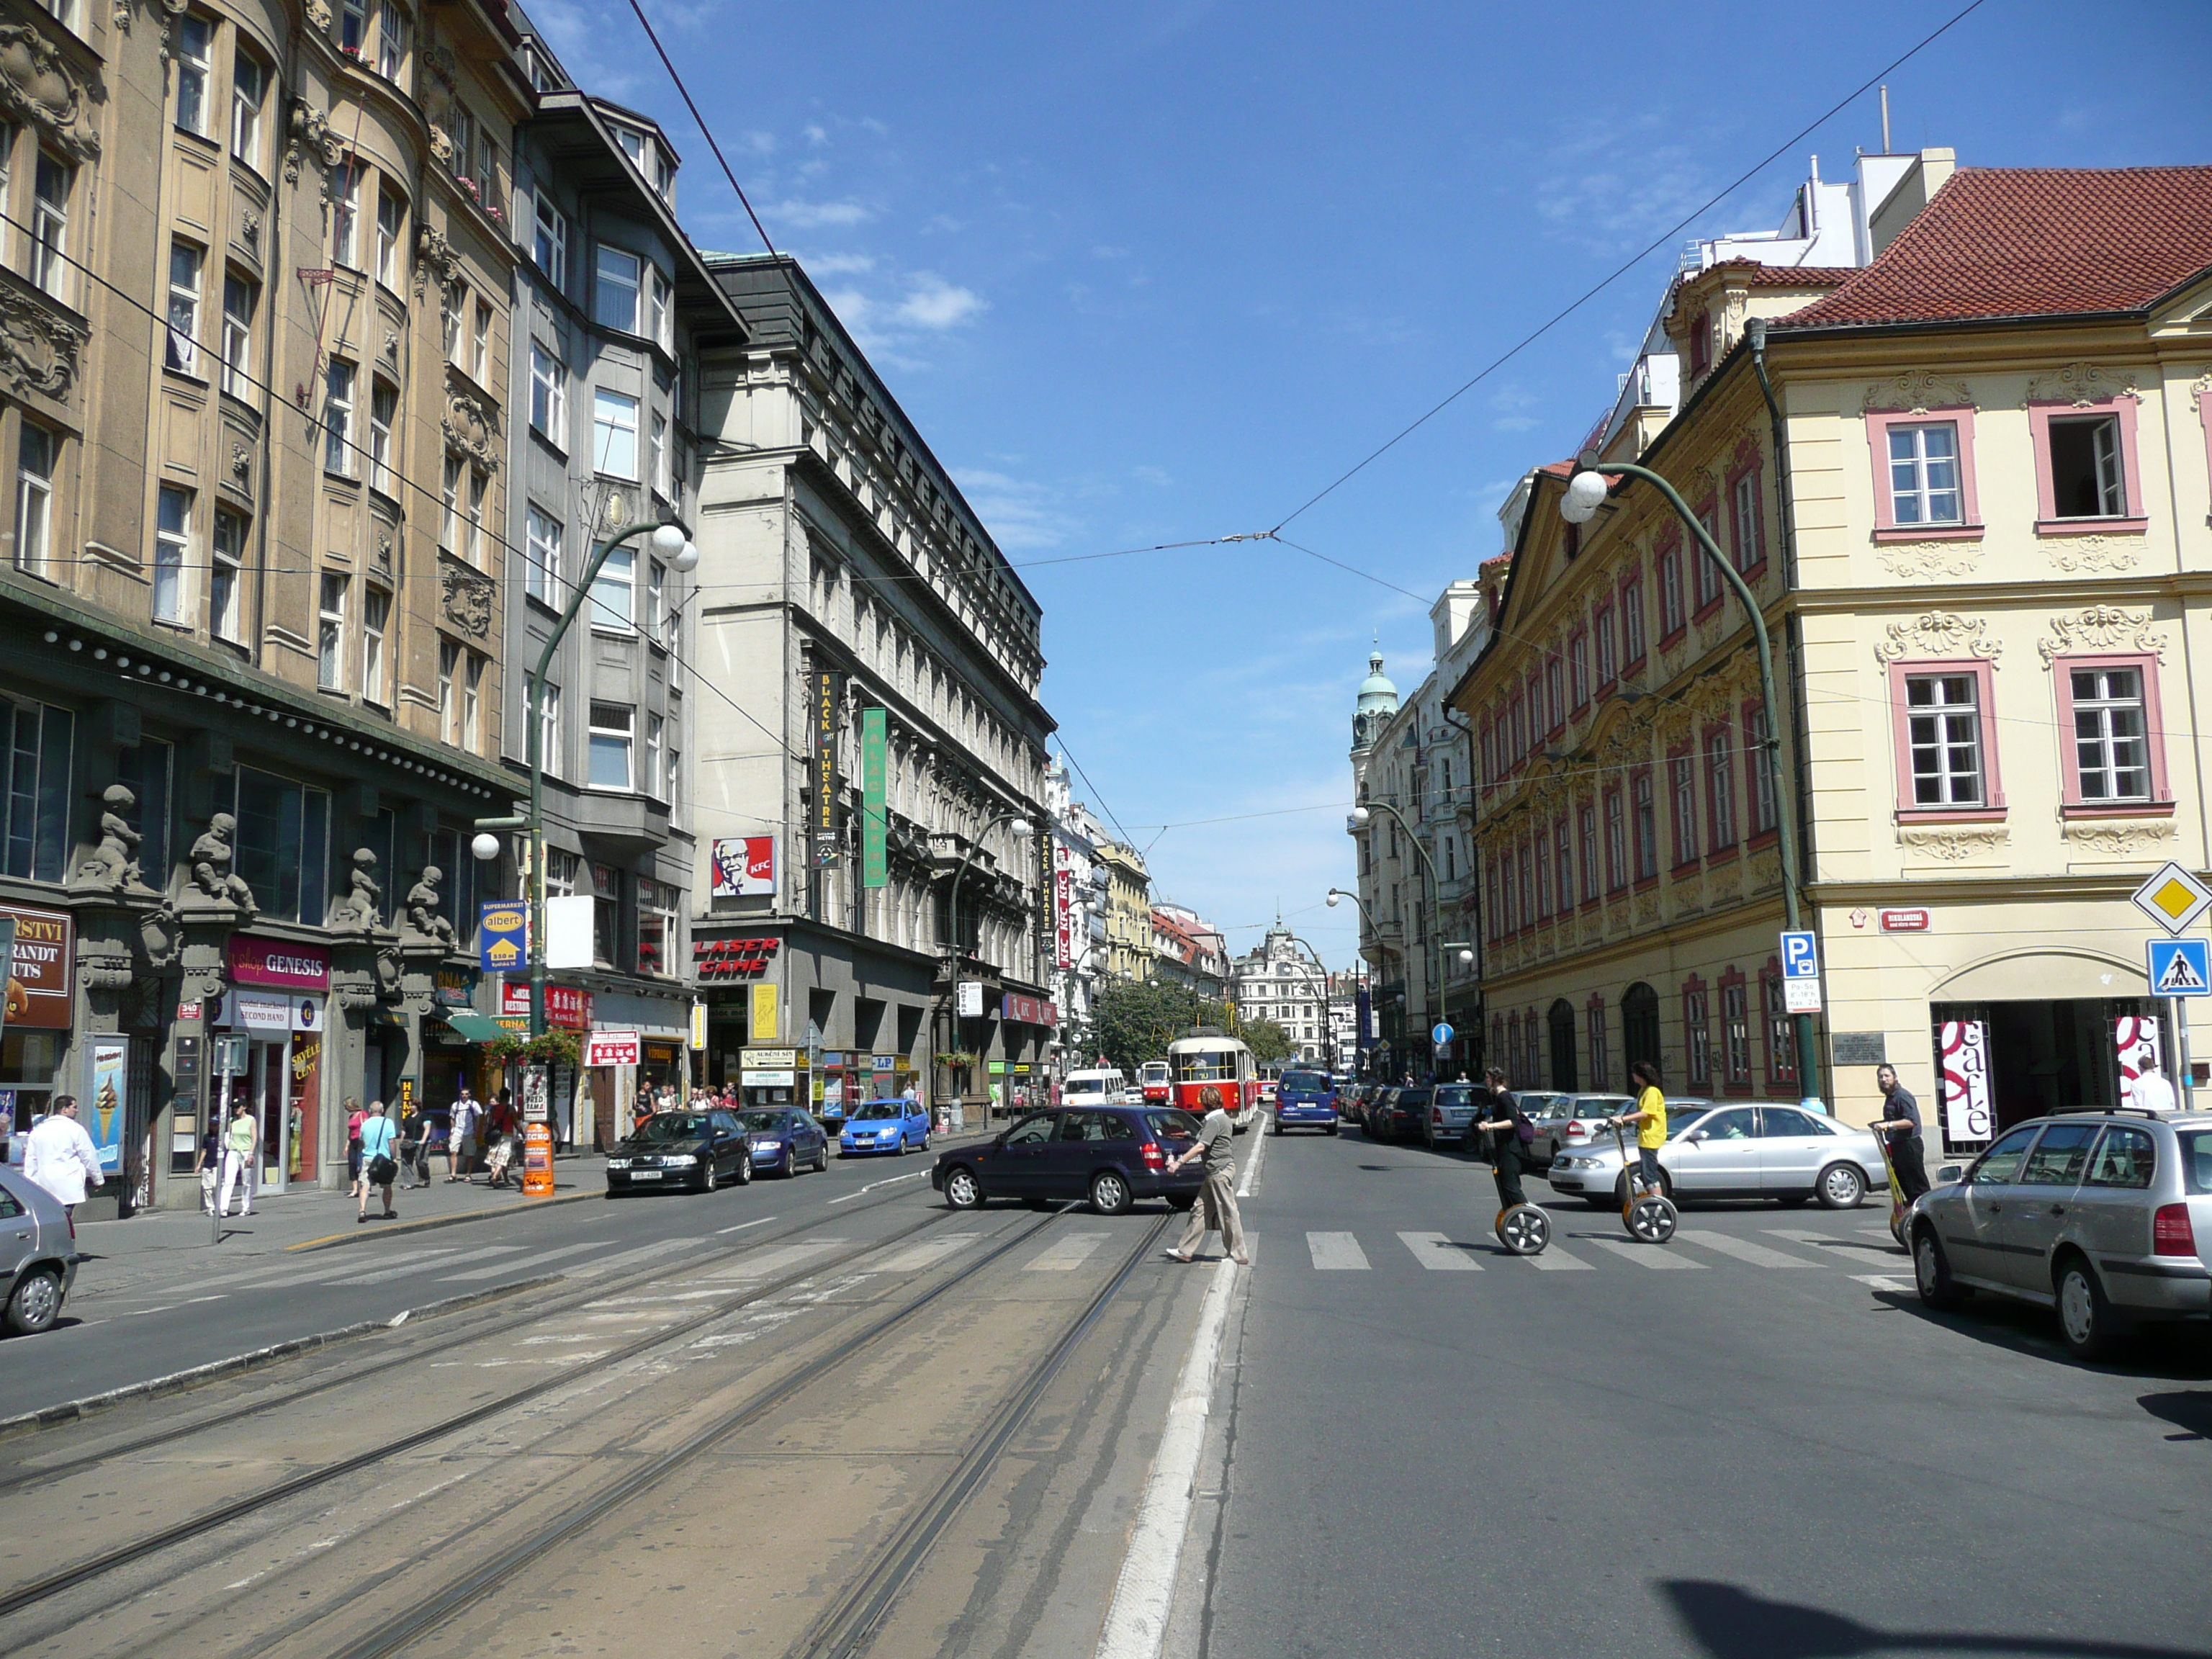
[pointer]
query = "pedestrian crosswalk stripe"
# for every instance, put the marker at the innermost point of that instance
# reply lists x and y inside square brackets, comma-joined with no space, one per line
[671,1247]
[1885,1281]
[1557,1260]
[1336,1252]
[1438,1254]
[1644,1256]
[1743,1249]
[538,1259]
[1069,1253]
[1829,1241]
[927,1254]
[379,1275]
[760,1264]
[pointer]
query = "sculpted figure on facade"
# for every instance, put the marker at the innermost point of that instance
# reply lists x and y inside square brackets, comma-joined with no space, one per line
[211,873]
[114,862]
[423,900]
[364,899]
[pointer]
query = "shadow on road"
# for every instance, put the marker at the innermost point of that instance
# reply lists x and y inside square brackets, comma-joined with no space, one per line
[2158,1352]
[1731,1623]
[2190,1411]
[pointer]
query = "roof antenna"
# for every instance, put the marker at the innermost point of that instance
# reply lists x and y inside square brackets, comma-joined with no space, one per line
[1885,118]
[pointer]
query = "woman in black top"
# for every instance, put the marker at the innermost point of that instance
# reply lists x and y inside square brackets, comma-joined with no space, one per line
[1504,1129]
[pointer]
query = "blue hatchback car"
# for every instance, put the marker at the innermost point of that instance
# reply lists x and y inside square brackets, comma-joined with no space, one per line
[784,1140]
[886,1125]
[1305,1100]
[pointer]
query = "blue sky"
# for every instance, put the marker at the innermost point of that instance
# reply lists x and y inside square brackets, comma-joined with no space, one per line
[1162,272]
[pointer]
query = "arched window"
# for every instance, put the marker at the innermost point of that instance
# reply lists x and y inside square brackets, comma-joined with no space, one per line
[1562,1020]
[1639,1025]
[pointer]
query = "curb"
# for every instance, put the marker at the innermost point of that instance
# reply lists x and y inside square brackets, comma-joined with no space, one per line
[177,1382]
[332,1241]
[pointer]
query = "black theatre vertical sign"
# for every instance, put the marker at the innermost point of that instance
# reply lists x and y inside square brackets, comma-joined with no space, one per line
[1048,925]
[827,684]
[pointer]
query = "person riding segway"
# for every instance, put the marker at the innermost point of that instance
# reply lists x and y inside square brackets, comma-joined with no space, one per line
[1645,1210]
[1520,1227]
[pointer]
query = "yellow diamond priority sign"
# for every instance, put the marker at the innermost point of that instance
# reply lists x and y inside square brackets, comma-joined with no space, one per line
[2172,898]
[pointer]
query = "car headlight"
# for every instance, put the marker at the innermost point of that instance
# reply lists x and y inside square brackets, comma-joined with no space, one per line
[617,1163]
[679,1161]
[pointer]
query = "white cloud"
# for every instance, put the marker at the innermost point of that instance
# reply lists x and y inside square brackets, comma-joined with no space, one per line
[809,216]
[839,265]
[814,135]
[1018,513]
[934,303]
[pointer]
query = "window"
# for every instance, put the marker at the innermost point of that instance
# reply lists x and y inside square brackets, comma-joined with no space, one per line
[1701,343]
[450,323]
[238,301]
[39,743]
[634,146]
[2087,481]
[1759,766]
[1747,525]
[1682,791]
[1616,842]
[606,913]
[614,299]
[2111,755]
[1608,655]
[541,554]
[1781,1041]
[284,845]
[465,142]
[1578,679]
[383,410]
[345,215]
[479,487]
[549,734]
[614,434]
[2125,1157]
[249,83]
[549,245]
[223,572]
[391,31]
[50,194]
[147,768]
[172,541]
[480,345]
[661,311]
[611,725]
[656,453]
[472,703]
[651,777]
[449,496]
[449,713]
[656,599]
[1924,474]
[391,237]
[1586,833]
[657,907]
[1647,827]
[614,590]
[1735,1033]
[184,329]
[1631,621]
[549,395]
[1672,617]
[375,612]
[195,49]
[337,419]
[353,25]
[329,642]
[1706,574]
[1600,1058]
[35,449]
[1696,1037]
[1720,788]
[1943,723]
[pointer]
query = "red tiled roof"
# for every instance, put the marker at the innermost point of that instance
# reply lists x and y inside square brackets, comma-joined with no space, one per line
[2033,242]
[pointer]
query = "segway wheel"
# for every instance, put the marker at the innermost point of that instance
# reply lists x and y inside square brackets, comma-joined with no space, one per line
[1651,1219]
[1524,1230]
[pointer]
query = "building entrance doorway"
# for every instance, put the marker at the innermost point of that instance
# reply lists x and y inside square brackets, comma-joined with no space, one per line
[2001,1063]
[1562,1022]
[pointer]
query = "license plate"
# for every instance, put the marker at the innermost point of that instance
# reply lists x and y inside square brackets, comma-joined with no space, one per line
[645,1175]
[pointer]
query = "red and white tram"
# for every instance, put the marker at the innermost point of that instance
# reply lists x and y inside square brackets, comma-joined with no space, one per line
[1208,1057]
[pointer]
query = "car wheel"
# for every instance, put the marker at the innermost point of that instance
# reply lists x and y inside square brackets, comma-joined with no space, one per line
[822,1160]
[1332,1129]
[36,1303]
[1278,1129]
[1109,1193]
[745,1167]
[963,1191]
[789,1167]
[1841,1187]
[1931,1271]
[706,1177]
[2085,1318]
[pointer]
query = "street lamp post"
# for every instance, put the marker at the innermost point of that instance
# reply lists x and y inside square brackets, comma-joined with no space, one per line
[1360,817]
[1021,827]
[670,541]
[1585,493]
[1322,969]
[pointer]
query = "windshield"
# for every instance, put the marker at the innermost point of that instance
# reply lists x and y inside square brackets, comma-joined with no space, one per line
[1153,1070]
[1305,1083]
[2197,1159]
[1172,1125]
[672,1126]
[1086,1085]
[1218,1066]
[1457,1095]
[765,1122]
[882,1108]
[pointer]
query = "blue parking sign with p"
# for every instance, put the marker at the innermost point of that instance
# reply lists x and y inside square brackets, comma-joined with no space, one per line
[2180,967]
[1800,958]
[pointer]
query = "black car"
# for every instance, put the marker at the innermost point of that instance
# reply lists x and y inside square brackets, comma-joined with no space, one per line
[695,1149]
[1111,1156]
[785,1140]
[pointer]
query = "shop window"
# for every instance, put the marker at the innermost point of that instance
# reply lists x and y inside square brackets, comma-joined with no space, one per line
[37,828]
[1735,1031]
[1946,739]
[2109,708]
[148,769]
[1697,1036]
[282,845]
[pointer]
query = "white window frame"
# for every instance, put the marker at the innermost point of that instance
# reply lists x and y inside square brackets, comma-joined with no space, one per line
[449,714]
[661,309]
[541,554]
[2106,459]
[608,287]
[657,451]
[614,426]
[606,737]
[1938,731]
[480,344]
[345,215]
[249,86]
[449,495]
[173,551]
[35,496]
[330,634]
[383,410]
[391,235]
[376,618]
[353,21]
[652,730]
[549,395]
[472,671]
[48,266]
[2098,742]
[226,575]
[549,245]
[195,73]
[656,599]
[187,265]
[340,380]
[479,492]
[548,748]
[237,335]
[618,578]
[1916,488]
[391,40]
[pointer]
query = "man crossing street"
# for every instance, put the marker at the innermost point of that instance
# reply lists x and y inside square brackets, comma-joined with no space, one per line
[1900,1131]
[1216,1210]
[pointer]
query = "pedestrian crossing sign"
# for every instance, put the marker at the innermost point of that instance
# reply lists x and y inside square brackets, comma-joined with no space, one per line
[2180,967]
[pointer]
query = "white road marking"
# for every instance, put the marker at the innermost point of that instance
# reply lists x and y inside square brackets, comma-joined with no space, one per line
[1744,1250]
[1438,1254]
[1072,1250]
[1644,1255]
[1829,1240]
[382,1274]
[890,1181]
[1554,1259]
[1885,1281]
[645,1253]
[1250,1184]
[927,1254]
[1336,1253]
[764,1264]
[742,1225]
[542,1257]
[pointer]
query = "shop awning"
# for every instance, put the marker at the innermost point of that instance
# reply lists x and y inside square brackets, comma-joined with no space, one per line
[474,1027]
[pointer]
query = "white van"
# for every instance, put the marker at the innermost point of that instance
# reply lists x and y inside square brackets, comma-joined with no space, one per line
[1100,1086]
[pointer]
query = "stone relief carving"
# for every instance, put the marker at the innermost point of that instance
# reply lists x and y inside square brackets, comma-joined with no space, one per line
[2081,385]
[249,225]
[1915,391]
[113,864]
[36,85]
[1936,634]
[1964,843]
[469,428]
[422,902]
[2087,555]
[241,461]
[311,136]
[39,348]
[359,908]
[469,596]
[434,257]
[1927,562]
[2101,628]
[211,873]
[2119,841]
[317,14]
[391,347]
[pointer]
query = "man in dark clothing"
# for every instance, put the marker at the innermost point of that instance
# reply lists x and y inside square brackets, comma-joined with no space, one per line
[1900,1131]
[1503,1126]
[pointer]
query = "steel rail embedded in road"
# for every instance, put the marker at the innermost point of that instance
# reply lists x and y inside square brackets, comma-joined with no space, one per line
[123,1555]
[419,1621]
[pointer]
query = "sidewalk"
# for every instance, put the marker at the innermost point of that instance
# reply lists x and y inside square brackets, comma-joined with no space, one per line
[159,1246]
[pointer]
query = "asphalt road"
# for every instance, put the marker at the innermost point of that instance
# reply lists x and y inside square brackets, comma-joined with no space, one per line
[1749,1444]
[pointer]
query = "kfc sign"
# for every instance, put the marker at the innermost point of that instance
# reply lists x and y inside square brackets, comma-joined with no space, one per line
[745,867]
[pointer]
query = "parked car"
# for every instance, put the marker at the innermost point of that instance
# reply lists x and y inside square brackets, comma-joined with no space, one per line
[1111,1156]
[1565,1120]
[680,1149]
[1268,1089]
[785,1140]
[1401,1113]
[1348,1098]
[1306,1099]
[1451,1109]
[1736,1149]
[1375,1114]
[2103,1215]
[38,1252]
[886,1125]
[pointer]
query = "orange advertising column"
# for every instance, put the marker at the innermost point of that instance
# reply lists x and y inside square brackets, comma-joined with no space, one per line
[538,1161]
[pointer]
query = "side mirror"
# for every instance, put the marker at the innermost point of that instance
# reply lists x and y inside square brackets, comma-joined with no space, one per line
[1698,1136]
[1950,1173]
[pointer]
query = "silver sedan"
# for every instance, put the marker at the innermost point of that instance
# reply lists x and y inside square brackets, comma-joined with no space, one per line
[1732,1149]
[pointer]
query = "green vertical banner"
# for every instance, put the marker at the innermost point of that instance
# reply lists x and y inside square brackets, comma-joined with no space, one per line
[874,866]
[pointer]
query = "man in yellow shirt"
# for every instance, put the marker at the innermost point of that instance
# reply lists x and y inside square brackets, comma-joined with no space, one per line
[1649,1118]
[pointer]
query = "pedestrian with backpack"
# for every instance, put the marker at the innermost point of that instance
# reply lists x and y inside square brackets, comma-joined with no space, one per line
[1510,1135]
[379,1164]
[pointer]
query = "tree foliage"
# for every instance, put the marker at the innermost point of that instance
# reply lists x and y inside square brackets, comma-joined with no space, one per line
[1135,1022]
[1267,1041]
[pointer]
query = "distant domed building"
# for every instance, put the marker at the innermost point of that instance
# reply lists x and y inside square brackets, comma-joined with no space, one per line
[1378,703]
